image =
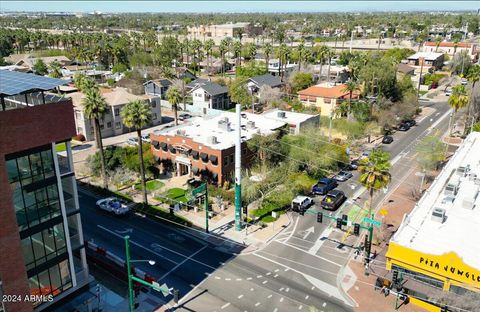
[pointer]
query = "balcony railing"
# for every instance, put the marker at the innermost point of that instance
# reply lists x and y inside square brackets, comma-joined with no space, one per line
[29,99]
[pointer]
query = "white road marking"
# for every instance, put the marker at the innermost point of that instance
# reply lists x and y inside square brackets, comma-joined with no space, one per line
[275,310]
[228,279]
[294,228]
[281,299]
[281,289]
[249,278]
[269,296]
[306,297]
[259,276]
[251,289]
[181,263]
[268,273]
[238,279]
[218,277]
[240,297]
[264,282]
[313,287]
[287,269]
[225,305]
[257,304]
[275,275]
[308,232]
[300,307]
[276,270]
[287,290]
[324,304]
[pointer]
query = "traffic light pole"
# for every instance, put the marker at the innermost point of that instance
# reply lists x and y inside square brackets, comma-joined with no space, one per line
[206,207]
[129,273]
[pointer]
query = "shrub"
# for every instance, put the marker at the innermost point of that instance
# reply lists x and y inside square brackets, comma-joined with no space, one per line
[110,82]
[79,137]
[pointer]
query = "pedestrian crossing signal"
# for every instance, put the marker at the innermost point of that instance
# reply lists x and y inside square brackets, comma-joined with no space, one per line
[356,229]
[339,223]
[319,217]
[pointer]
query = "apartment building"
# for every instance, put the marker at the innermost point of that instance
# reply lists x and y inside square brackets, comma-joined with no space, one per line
[41,236]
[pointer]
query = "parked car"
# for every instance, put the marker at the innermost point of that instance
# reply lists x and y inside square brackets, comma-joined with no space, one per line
[113,205]
[464,81]
[343,176]
[410,122]
[333,200]
[146,138]
[448,92]
[403,127]
[387,139]
[354,164]
[184,116]
[132,141]
[301,203]
[323,186]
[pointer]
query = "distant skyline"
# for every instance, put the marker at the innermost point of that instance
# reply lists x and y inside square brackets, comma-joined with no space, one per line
[236,6]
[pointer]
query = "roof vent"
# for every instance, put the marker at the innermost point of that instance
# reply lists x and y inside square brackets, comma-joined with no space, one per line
[244,115]
[181,132]
[438,215]
[212,140]
[462,170]
[451,189]
[281,115]
[223,124]
[250,124]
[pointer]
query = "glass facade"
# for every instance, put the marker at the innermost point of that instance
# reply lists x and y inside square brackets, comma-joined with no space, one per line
[43,231]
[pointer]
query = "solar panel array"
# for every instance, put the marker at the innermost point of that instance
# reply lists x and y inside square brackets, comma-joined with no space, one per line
[12,82]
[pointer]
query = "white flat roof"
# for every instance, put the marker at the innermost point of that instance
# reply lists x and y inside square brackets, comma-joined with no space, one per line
[200,129]
[459,231]
[293,118]
[426,55]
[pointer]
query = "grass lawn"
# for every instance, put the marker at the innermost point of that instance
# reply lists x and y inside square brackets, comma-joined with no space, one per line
[62,147]
[422,92]
[176,194]
[152,185]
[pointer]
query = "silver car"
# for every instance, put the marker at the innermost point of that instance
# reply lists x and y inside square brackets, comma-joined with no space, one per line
[113,205]
[343,176]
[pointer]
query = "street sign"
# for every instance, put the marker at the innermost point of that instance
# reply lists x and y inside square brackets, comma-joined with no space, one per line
[201,189]
[163,288]
[274,214]
[371,221]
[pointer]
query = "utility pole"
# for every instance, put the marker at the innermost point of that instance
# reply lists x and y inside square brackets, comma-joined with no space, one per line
[330,127]
[130,283]
[238,170]
[206,207]
[420,79]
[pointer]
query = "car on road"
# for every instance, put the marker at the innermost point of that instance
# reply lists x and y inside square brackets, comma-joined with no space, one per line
[410,122]
[404,126]
[113,205]
[333,200]
[354,164]
[464,81]
[184,116]
[323,186]
[343,176]
[146,138]
[387,139]
[132,141]
[301,203]
[448,92]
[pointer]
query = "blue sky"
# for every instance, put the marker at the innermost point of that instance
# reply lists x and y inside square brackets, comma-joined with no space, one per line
[236,6]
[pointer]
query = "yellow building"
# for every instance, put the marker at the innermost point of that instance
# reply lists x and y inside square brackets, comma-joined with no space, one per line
[325,97]
[439,242]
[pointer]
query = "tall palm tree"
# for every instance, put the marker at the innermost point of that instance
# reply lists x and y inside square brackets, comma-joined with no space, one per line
[267,50]
[137,114]
[322,52]
[350,87]
[208,45]
[237,49]
[457,100]
[174,97]
[375,173]
[473,76]
[438,40]
[223,49]
[95,107]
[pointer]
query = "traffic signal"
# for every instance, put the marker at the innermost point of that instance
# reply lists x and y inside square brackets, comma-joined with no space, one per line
[319,217]
[245,210]
[395,277]
[339,223]
[356,229]
[344,218]
[367,250]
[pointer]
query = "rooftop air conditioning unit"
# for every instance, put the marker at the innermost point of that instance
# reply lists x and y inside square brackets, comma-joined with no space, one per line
[438,215]
[451,189]
[244,115]
[251,124]
[281,115]
[463,170]
[212,140]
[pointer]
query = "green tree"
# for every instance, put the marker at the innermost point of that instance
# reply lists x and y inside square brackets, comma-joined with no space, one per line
[473,76]
[239,94]
[208,45]
[300,81]
[40,68]
[137,114]
[457,100]
[375,173]
[95,108]
[174,97]
[119,68]
[55,70]
[267,50]
[351,86]
[431,151]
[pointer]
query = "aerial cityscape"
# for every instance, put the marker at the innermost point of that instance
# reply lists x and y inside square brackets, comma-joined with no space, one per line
[234,156]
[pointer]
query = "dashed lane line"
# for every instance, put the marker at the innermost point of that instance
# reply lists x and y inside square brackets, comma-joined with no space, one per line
[225,305]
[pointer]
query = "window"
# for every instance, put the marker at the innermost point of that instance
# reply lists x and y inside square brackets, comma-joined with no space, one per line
[154,103]
[117,111]
[154,116]
[102,126]
[118,125]
[78,115]
[109,124]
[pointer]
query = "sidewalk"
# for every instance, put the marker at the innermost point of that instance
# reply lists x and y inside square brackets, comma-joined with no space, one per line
[396,205]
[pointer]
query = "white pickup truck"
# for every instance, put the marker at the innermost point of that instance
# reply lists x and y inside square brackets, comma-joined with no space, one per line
[113,205]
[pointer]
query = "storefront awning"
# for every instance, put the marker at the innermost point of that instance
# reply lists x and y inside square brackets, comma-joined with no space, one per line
[204,156]
[163,145]
[194,154]
[172,149]
[156,144]
[213,159]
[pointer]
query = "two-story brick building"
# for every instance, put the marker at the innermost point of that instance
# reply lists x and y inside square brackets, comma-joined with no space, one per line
[206,145]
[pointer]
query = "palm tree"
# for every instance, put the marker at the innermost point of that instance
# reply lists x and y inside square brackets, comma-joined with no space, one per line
[375,173]
[350,87]
[208,45]
[473,76]
[322,52]
[438,40]
[223,49]
[55,70]
[237,49]
[137,114]
[457,100]
[267,50]
[174,97]
[95,107]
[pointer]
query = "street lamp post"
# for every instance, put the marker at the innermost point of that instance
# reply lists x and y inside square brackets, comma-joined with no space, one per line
[129,271]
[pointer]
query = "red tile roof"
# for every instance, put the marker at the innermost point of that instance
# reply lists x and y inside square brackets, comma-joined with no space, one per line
[335,92]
